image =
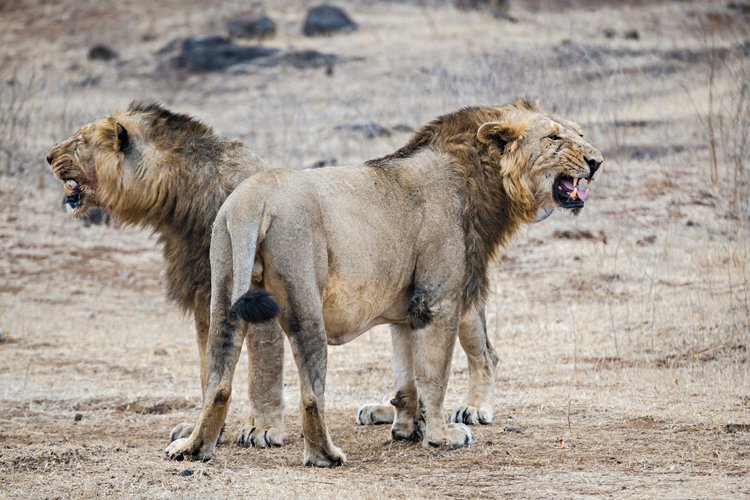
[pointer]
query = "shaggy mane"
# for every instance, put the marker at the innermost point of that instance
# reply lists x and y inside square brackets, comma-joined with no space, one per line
[488,225]
[162,118]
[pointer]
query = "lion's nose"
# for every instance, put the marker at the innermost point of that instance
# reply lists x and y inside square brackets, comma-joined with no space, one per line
[50,157]
[594,164]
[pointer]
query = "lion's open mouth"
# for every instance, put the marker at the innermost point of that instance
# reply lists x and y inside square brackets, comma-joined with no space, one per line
[72,195]
[570,192]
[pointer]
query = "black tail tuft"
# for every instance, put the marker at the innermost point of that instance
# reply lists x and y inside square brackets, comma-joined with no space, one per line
[256,306]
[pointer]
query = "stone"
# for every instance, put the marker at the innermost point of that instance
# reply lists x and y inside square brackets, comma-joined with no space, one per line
[252,26]
[215,53]
[327,20]
[101,52]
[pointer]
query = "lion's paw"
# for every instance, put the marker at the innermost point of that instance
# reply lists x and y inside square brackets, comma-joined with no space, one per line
[471,415]
[186,448]
[258,437]
[453,436]
[407,431]
[333,457]
[375,415]
[181,431]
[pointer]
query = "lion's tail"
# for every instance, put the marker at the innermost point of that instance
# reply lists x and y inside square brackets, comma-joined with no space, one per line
[255,306]
[251,304]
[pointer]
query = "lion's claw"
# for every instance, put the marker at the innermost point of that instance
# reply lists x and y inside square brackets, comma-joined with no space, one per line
[375,415]
[185,448]
[456,436]
[181,431]
[471,415]
[257,437]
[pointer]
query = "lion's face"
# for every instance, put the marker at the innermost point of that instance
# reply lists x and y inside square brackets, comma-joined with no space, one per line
[546,159]
[88,162]
[73,162]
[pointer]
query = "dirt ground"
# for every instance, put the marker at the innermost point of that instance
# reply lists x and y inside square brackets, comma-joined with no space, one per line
[623,334]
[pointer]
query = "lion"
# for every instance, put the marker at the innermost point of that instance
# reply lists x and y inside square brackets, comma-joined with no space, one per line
[151,167]
[406,240]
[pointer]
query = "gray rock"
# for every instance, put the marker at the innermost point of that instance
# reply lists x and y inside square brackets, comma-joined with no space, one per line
[253,26]
[302,59]
[498,8]
[326,20]
[215,53]
[101,52]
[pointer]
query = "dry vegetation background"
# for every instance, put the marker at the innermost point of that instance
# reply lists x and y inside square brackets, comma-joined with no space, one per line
[622,334]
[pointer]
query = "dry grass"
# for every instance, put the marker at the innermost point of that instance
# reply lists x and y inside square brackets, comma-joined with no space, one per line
[622,334]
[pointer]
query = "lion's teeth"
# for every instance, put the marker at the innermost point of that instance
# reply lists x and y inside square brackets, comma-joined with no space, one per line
[70,186]
[575,181]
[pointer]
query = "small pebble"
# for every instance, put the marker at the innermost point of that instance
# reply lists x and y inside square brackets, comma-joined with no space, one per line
[78,417]
[186,473]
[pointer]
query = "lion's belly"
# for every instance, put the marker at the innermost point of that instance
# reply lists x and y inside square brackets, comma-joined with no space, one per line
[350,310]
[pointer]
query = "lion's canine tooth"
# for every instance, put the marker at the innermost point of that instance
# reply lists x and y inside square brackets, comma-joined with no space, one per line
[575,181]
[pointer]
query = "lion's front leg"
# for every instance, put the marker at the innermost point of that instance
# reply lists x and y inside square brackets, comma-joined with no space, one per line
[405,402]
[265,425]
[223,350]
[482,362]
[184,429]
[402,412]
[432,350]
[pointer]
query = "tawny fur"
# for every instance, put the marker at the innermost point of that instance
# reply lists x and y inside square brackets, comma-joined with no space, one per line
[344,249]
[173,180]
[172,177]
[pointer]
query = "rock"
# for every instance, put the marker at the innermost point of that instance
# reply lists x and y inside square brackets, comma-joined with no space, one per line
[214,53]
[101,52]
[96,216]
[93,216]
[632,35]
[253,26]
[186,473]
[78,417]
[326,162]
[498,8]
[741,7]
[609,33]
[369,130]
[372,129]
[303,59]
[2,336]
[326,20]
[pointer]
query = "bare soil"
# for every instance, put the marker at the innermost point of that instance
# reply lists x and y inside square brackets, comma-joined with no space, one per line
[623,333]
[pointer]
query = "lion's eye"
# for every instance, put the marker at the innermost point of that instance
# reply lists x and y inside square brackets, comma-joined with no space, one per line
[555,137]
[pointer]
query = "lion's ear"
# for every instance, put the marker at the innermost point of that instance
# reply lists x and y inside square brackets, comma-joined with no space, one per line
[123,138]
[500,133]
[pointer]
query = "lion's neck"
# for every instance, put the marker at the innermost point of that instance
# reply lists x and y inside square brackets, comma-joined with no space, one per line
[184,228]
[183,220]
[490,221]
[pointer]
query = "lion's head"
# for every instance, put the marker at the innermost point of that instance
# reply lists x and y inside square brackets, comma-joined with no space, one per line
[517,164]
[124,162]
[544,160]
[539,160]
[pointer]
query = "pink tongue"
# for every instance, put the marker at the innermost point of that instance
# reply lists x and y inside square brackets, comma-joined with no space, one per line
[582,193]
